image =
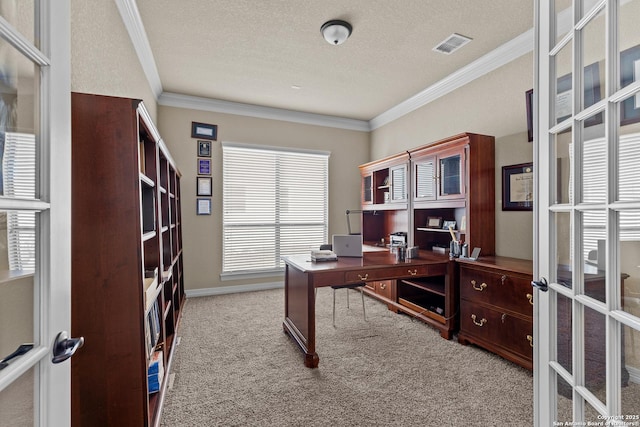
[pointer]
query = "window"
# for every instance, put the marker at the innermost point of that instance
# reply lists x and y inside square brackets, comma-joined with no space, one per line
[275,203]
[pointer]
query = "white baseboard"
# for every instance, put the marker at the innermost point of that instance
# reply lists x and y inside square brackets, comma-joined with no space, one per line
[223,290]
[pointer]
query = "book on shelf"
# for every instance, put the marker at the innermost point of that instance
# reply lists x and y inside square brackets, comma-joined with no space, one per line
[155,372]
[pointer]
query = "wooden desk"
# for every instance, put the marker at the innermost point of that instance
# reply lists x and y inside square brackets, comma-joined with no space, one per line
[302,277]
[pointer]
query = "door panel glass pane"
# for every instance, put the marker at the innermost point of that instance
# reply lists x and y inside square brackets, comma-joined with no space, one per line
[562,149]
[594,165]
[21,15]
[593,50]
[564,341]
[16,313]
[631,360]
[595,353]
[564,401]
[629,149]
[563,79]
[594,253]
[629,13]
[450,175]
[629,256]
[563,16]
[587,5]
[18,98]
[563,226]
[17,402]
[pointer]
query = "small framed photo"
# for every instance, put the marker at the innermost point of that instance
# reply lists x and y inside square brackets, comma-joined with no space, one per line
[204,148]
[204,166]
[517,187]
[204,186]
[204,131]
[203,206]
[447,224]
[434,222]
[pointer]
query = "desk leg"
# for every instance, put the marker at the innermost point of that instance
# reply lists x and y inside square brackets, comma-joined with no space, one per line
[300,313]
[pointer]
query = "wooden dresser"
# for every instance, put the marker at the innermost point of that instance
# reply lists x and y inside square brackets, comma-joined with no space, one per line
[496,307]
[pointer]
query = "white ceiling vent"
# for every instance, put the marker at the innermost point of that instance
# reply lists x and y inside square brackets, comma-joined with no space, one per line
[452,43]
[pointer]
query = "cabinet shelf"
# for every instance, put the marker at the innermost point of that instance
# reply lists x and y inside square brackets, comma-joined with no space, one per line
[427,285]
[439,230]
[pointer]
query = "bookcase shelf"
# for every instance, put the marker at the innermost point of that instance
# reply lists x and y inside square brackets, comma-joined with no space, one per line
[127,267]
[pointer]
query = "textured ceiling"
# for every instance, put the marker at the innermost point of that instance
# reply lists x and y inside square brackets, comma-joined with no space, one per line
[253,52]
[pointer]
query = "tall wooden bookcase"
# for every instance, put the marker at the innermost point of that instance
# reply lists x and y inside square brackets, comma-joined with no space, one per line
[127,266]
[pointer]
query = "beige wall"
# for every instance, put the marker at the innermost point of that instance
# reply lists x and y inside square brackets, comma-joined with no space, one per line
[202,235]
[103,60]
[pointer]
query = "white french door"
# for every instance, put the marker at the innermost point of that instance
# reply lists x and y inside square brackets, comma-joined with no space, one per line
[35,212]
[587,154]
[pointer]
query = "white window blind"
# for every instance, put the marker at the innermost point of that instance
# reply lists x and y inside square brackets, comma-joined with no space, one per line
[275,203]
[594,188]
[19,176]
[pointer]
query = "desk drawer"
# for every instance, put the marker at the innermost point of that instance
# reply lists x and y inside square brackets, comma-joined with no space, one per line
[502,289]
[512,333]
[396,272]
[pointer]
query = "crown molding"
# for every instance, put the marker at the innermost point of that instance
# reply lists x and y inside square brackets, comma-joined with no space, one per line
[227,107]
[498,57]
[133,23]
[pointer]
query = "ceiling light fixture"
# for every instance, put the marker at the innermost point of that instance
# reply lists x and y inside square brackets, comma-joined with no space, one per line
[335,31]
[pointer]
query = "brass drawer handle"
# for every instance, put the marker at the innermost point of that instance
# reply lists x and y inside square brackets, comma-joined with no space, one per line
[478,288]
[503,279]
[414,272]
[383,286]
[480,323]
[530,298]
[366,276]
[530,339]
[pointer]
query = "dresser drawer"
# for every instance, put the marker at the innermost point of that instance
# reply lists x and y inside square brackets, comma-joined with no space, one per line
[502,289]
[401,271]
[513,333]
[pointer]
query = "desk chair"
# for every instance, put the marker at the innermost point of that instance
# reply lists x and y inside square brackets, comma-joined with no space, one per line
[347,287]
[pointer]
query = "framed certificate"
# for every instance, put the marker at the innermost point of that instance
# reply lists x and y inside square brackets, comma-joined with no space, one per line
[203,186]
[203,206]
[517,187]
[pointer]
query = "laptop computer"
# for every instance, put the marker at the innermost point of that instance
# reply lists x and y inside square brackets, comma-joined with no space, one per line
[347,245]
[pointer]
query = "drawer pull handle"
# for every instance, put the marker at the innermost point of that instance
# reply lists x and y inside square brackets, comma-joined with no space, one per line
[366,276]
[530,298]
[414,272]
[503,279]
[383,286]
[530,339]
[480,323]
[478,288]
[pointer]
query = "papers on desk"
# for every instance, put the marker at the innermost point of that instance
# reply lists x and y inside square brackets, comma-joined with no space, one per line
[320,255]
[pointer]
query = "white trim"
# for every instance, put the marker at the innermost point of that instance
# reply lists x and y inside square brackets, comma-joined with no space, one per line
[132,21]
[224,290]
[495,59]
[218,106]
[634,374]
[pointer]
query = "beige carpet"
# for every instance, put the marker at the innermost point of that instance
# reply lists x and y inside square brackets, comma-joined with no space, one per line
[235,367]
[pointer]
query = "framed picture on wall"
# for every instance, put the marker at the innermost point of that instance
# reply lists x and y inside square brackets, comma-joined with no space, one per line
[517,187]
[204,131]
[204,186]
[204,166]
[204,148]
[203,206]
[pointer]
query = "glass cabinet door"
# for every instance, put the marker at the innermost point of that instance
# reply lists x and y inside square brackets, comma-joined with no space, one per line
[367,189]
[451,175]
